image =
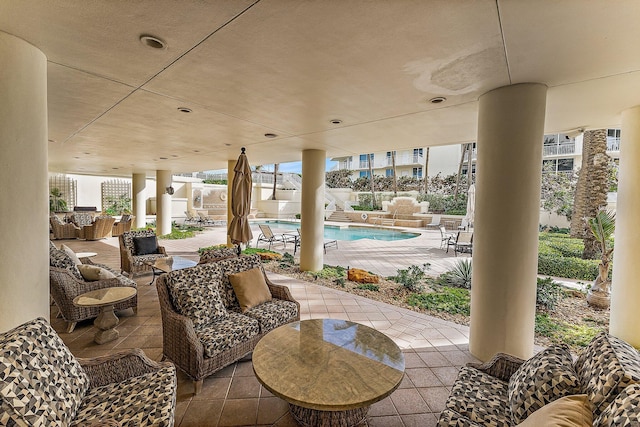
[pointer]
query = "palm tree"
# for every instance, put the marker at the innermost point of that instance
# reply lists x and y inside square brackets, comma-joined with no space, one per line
[372,182]
[57,203]
[426,171]
[275,180]
[591,189]
[602,227]
[395,178]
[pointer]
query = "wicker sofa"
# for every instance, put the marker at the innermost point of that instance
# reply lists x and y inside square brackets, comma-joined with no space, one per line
[203,326]
[66,282]
[63,230]
[600,388]
[43,384]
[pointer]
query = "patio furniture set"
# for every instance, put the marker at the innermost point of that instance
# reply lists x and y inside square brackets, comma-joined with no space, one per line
[83,225]
[267,235]
[218,311]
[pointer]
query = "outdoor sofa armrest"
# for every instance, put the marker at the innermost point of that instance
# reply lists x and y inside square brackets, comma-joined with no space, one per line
[117,367]
[501,366]
[72,286]
[178,331]
[280,291]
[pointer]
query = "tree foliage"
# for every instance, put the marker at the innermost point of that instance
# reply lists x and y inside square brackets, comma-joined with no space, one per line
[557,191]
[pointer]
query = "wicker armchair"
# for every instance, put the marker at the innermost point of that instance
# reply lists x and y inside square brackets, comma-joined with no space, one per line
[99,229]
[119,389]
[130,262]
[122,226]
[61,230]
[65,285]
[82,218]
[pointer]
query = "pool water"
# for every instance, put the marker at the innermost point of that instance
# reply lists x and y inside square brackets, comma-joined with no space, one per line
[347,232]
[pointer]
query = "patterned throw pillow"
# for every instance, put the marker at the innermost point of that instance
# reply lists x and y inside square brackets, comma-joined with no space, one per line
[194,293]
[60,259]
[624,411]
[606,367]
[42,383]
[217,254]
[545,377]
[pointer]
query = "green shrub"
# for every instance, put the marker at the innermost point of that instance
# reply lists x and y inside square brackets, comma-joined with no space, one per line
[459,276]
[369,287]
[572,268]
[412,277]
[449,300]
[548,293]
[330,272]
[561,256]
[287,260]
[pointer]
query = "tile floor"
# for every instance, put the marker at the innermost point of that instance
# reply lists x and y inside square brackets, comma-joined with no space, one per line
[434,349]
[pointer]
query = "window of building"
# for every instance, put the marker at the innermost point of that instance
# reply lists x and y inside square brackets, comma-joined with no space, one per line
[565,165]
[364,174]
[417,151]
[389,172]
[417,172]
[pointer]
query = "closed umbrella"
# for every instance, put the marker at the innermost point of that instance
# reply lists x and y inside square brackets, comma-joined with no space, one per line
[471,203]
[239,230]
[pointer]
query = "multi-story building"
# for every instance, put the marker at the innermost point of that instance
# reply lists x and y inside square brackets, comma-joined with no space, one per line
[561,153]
[443,159]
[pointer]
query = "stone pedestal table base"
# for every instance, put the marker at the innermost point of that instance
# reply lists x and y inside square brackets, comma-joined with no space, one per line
[106,323]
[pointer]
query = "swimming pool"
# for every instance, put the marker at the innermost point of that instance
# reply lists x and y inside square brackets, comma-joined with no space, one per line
[346,232]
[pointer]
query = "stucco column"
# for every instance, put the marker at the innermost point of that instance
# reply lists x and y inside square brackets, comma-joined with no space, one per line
[163,203]
[231,165]
[24,276]
[138,186]
[625,287]
[505,239]
[312,210]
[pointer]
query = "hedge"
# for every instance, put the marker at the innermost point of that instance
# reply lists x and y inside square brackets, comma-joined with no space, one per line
[560,255]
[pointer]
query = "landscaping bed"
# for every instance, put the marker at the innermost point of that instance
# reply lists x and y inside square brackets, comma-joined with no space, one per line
[568,319]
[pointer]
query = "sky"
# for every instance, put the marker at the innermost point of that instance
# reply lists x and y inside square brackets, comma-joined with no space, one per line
[290,167]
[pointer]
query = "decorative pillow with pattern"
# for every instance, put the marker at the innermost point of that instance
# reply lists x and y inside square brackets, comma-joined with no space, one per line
[217,254]
[547,376]
[606,367]
[41,381]
[231,266]
[194,293]
[624,411]
[60,259]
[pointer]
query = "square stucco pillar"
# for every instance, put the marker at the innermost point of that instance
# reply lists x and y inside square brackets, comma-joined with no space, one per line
[312,212]
[505,239]
[625,286]
[24,276]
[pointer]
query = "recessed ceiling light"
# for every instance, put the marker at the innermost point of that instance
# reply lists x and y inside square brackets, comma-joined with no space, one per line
[76,157]
[184,109]
[196,151]
[270,135]
[164,158]
[152,41]
[437,100]
[174,155]
[52,140]
[229,145]
[87,153]
[115,168]
[335,121]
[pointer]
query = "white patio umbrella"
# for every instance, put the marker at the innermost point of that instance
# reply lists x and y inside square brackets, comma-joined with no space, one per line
[471,204]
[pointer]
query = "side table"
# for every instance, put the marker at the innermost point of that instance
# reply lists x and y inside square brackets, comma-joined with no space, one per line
[107,320]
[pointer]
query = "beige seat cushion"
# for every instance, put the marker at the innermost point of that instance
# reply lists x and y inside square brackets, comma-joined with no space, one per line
[568,411]
[250,287]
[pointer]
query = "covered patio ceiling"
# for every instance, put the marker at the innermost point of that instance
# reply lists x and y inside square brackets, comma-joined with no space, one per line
[288,68]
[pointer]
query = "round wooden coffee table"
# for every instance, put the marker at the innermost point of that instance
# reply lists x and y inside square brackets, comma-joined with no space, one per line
[107,320]
[330,371]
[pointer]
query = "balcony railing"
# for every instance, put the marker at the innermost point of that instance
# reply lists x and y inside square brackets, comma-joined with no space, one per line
[613,143]
[563,149]
[386,162]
